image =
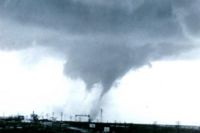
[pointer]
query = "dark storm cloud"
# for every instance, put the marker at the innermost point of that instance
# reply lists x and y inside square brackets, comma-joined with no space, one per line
[188,12]
[101,40]
[75,16]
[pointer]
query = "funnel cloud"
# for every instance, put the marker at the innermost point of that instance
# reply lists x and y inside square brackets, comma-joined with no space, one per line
[101,40]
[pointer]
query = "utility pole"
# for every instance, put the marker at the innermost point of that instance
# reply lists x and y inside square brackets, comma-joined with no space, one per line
[61,116]
[178,127]
[47,116]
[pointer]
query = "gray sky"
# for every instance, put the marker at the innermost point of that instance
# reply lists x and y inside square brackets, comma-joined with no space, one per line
[97,43]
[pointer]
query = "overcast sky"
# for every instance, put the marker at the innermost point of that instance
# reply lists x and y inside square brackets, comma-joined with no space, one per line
[137,59]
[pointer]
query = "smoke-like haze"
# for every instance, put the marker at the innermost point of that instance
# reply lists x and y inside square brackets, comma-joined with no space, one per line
[101,40]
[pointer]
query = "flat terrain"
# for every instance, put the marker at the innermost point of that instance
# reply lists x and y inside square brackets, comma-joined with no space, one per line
[47,126]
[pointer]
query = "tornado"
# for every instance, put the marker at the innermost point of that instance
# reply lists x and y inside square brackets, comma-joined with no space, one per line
[101,40]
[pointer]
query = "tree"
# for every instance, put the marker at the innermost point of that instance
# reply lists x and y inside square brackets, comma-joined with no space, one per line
[34,117]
